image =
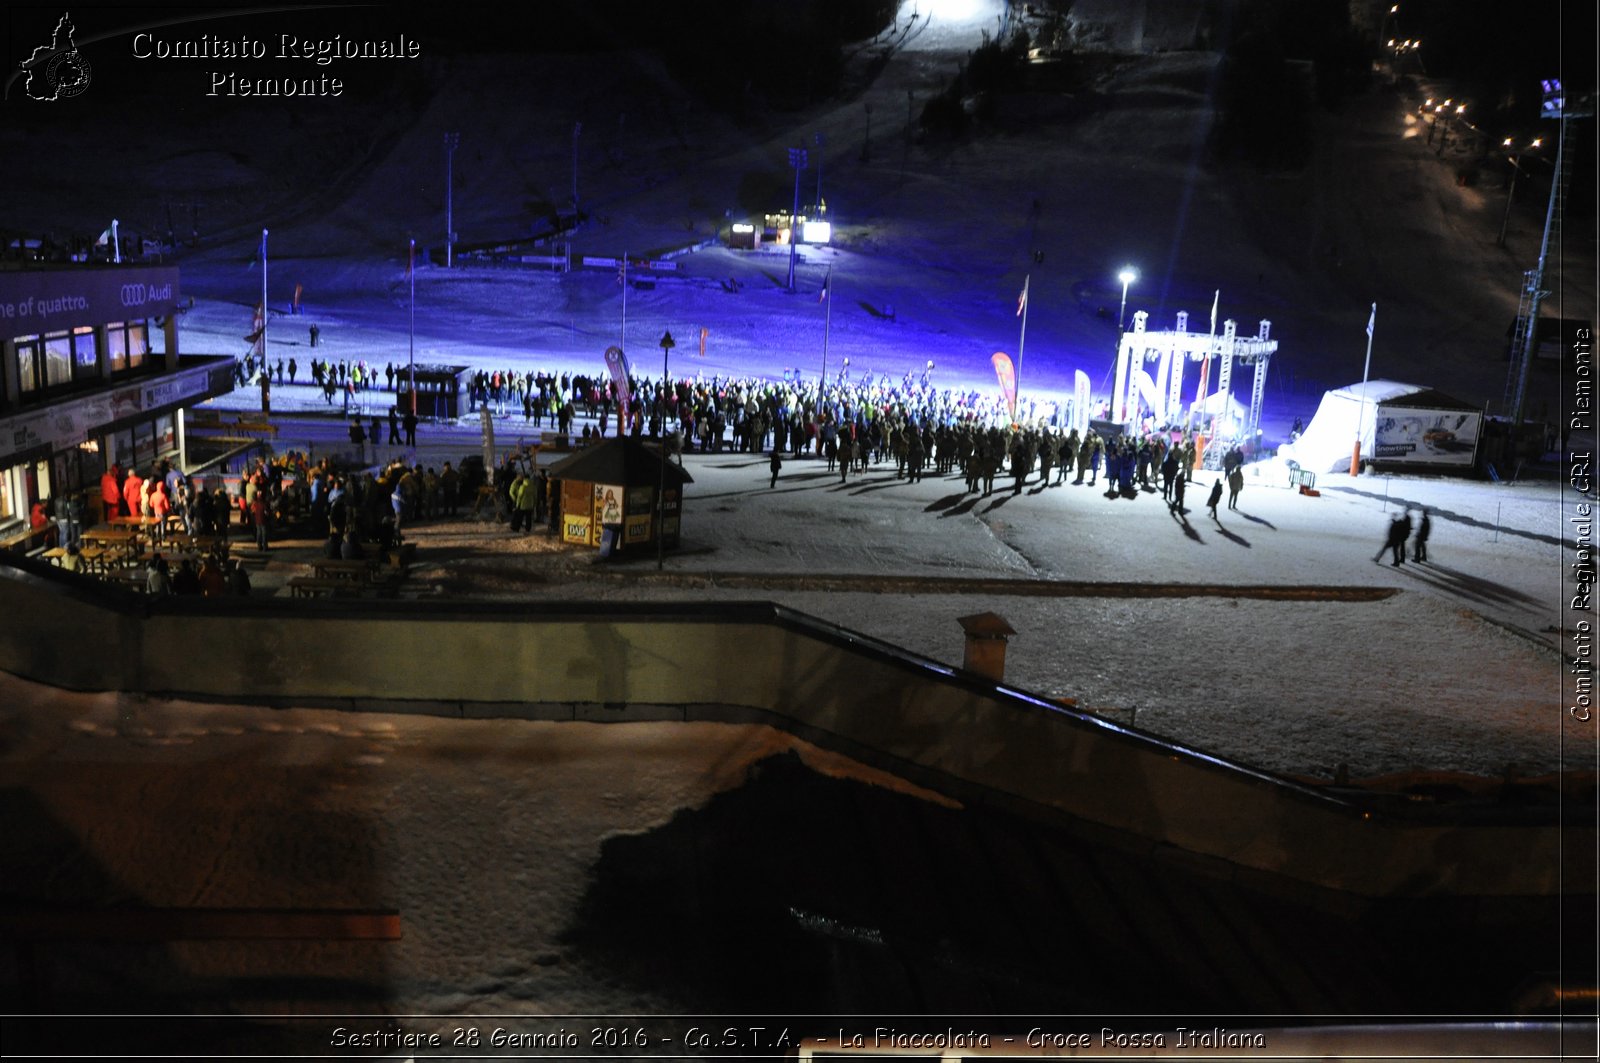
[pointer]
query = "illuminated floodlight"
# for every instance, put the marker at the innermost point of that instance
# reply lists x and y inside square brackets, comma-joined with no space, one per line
[816,232]
[948,11]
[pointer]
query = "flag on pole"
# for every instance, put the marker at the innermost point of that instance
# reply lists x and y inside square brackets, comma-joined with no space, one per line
[1372,320]
[105,238]
[823,297]
[622,271]
[1022,300]
[1214,300]
[258,326]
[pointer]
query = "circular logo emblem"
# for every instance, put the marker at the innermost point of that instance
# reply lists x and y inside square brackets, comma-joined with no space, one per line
[68,74]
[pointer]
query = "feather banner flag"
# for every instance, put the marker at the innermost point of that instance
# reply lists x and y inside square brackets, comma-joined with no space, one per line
[617,363]
[1080,402]
[1008,380]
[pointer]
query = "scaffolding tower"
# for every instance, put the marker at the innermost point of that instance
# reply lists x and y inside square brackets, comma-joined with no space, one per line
[1135,394]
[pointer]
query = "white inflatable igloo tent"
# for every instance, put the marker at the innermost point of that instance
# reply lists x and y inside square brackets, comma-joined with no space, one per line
[1345,414]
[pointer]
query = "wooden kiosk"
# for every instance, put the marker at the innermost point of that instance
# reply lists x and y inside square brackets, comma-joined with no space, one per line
[438,390]
[609,496]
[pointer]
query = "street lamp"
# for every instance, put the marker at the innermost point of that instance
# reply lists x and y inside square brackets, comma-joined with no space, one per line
[667,344]
[1511,190]
[451,142]
[1127,276]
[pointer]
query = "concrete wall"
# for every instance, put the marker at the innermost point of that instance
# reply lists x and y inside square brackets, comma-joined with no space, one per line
[752,662]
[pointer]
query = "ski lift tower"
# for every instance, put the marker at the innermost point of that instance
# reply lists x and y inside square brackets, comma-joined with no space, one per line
[1525,340]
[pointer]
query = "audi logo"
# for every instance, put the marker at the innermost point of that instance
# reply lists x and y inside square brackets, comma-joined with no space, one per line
[140,294]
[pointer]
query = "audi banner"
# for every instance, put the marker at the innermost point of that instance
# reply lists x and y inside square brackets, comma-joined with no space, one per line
[36,302]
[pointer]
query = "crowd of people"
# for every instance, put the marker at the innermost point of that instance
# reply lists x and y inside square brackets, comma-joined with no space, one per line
[855,425]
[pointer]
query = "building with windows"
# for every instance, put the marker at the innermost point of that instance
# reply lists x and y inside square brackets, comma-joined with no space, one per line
[90,375]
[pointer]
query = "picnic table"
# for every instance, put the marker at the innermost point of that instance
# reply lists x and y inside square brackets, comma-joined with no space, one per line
[115,543]
[94,557]
[202,544]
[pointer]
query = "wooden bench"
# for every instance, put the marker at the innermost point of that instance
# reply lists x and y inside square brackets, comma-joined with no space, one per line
[27,538]
[354,570]
[322,586]
[136,580]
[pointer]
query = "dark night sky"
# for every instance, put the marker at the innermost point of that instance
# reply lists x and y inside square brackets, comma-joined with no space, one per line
[1496,50]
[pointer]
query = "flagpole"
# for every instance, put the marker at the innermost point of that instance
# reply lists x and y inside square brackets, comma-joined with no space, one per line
[827,321]
[411,367]
[1205,369]
[1361,411]
[1021,341]
[266,378]
[622,333]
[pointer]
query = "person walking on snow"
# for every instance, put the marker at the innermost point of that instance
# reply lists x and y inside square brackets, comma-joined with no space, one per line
[1214,497]
[1419,551]
[1395,543]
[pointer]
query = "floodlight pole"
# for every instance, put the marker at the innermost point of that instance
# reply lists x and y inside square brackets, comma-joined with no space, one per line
[451,142]
[797,159]
[577,127]
[1556,106]
[818,140]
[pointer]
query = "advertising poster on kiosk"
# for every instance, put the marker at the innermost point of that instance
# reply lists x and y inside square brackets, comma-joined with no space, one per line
[1414,435]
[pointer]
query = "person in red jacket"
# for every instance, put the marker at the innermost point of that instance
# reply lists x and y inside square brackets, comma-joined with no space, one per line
[111,491]
[160,506]
[130,493]
[258,516]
